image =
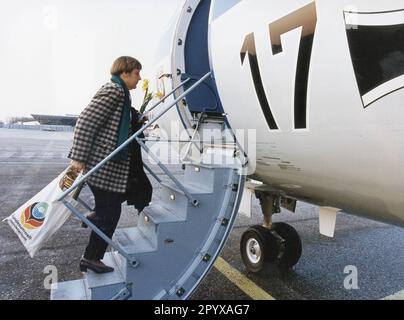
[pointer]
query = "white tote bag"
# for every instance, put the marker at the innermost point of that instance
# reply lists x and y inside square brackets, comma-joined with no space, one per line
[40,217]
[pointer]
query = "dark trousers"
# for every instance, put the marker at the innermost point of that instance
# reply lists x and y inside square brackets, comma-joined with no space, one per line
[107,214]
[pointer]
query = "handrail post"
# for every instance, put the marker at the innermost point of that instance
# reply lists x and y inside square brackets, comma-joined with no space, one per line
[93,227]
[169,174]
[152,173]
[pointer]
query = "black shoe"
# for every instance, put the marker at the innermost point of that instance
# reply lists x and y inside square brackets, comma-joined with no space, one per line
[86,264]
[92,217]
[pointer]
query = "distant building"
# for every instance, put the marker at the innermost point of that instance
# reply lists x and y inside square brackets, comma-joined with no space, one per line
[69,120]
[20,120]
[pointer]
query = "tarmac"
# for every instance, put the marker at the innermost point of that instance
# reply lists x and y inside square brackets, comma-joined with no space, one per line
[29,160]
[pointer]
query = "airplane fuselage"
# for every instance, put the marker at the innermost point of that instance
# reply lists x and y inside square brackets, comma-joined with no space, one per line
[322,82]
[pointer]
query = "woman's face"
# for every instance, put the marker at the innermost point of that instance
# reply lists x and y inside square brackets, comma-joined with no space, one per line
[131,79]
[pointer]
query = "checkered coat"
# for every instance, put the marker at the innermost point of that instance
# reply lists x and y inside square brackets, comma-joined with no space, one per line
[96,135]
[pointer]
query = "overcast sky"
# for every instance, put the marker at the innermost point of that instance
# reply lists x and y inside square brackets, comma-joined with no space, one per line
[55,54]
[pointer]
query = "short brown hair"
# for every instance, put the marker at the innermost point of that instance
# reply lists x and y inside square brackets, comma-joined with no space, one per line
[125,65]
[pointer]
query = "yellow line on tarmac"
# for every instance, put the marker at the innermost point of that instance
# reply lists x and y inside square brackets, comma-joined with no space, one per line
[397,296]
[241,281]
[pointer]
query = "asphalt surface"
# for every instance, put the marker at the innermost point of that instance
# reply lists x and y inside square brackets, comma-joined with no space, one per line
[29,160]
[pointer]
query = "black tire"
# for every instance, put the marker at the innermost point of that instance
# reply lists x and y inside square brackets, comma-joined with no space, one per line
[293,244]
[258,235]
[267,244]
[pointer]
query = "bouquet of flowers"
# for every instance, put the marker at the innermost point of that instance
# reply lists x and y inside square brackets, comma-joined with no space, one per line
[148,96]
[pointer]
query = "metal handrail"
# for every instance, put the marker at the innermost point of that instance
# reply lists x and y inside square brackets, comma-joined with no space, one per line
[194,201]
[132,138]
[245,156]
[152,173]
[166,96]
[185,141]
[191,141]
[169,174]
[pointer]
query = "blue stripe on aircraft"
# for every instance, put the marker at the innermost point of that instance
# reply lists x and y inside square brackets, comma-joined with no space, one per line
[222,6]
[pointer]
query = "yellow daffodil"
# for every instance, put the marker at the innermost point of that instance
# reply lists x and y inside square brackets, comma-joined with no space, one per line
[145,85]
[148,96]
[159,95]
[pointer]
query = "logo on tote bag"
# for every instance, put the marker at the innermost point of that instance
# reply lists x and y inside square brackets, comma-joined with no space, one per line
[33,217]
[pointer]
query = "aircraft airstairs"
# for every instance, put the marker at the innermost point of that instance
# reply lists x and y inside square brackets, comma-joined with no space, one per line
[177,240]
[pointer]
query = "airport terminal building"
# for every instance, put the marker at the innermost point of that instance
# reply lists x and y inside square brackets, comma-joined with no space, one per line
[42,122]
[68,120]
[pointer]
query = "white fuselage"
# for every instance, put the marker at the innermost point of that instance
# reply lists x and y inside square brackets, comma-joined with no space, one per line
[346,149]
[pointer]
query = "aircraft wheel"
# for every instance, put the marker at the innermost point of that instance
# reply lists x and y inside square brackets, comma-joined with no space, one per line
[257,246]
[292,249]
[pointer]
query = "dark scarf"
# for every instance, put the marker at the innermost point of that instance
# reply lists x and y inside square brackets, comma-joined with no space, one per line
[124,126]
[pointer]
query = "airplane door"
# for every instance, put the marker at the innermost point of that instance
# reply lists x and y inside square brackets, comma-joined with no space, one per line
[196,56]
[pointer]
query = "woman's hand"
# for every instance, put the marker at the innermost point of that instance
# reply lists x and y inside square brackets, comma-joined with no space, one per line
[77,165]
[143,118]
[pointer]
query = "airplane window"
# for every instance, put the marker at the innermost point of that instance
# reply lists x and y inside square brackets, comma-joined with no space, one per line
[377,53]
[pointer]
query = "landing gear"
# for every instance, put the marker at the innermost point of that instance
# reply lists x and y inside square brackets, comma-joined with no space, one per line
[260,245]
[257,246]
[272,242]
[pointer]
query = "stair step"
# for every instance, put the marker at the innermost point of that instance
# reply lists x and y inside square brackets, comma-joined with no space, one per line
[199,174]
[194,189]
[202,165]
[70,290]
[95,280]
[133,240]
[159,214]
[107,285]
